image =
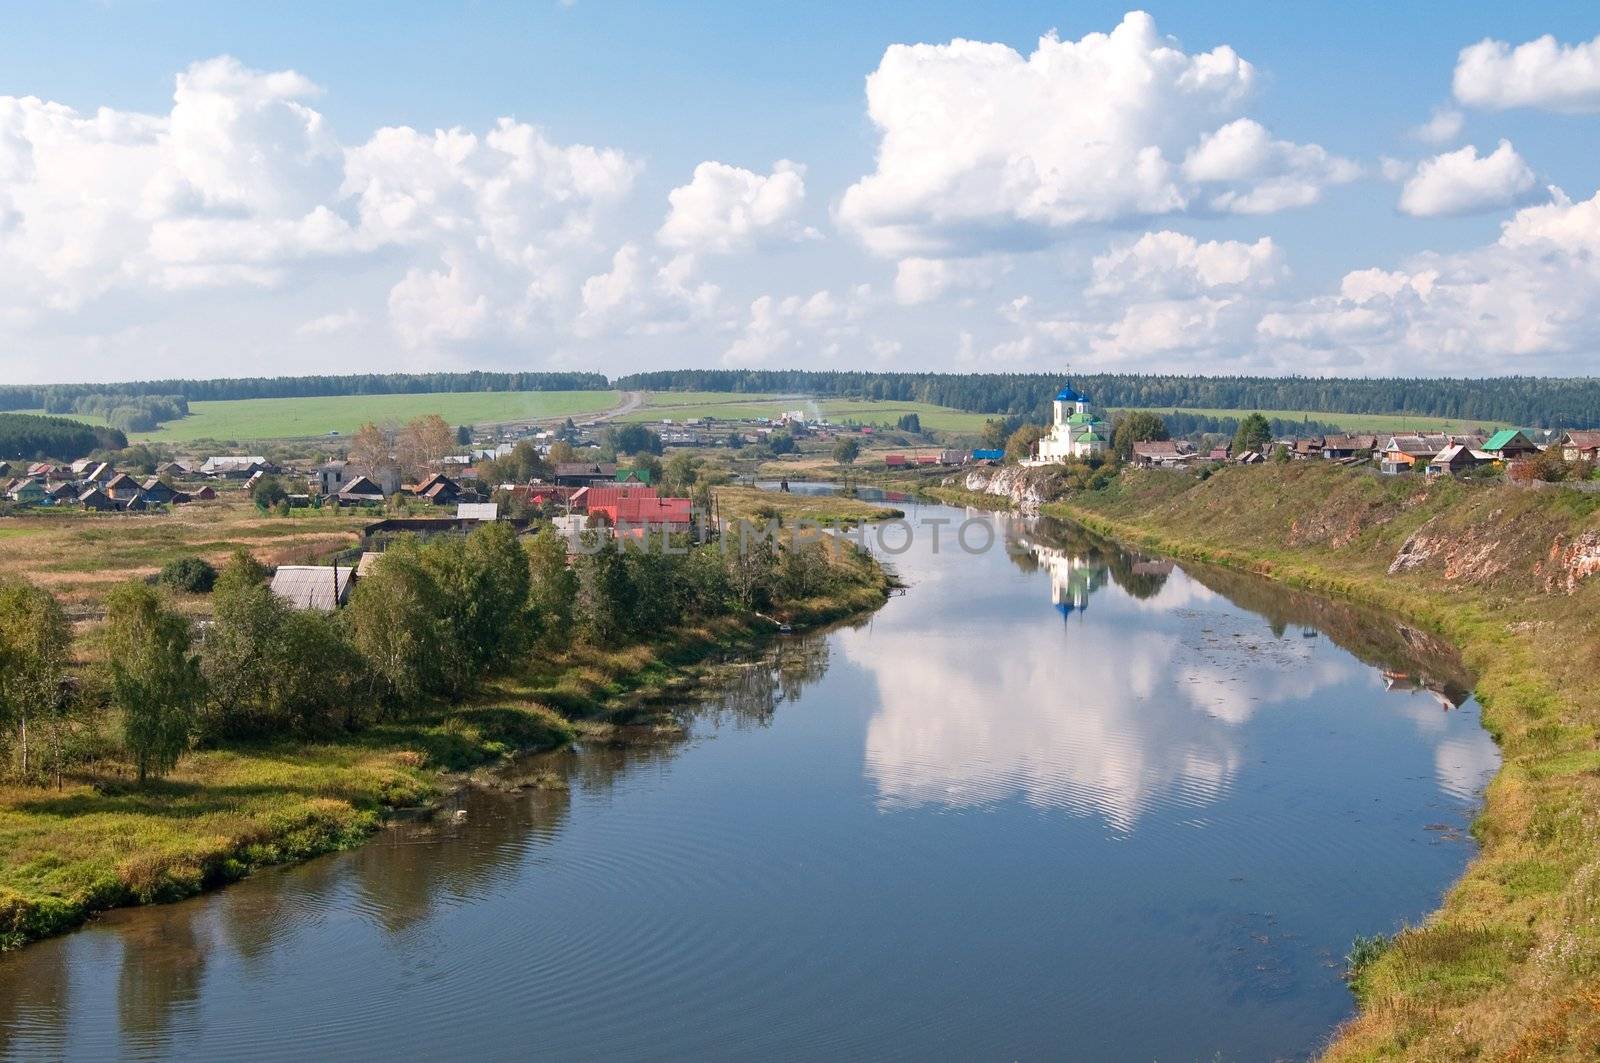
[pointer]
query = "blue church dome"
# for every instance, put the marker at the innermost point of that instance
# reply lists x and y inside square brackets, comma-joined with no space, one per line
[1066,394]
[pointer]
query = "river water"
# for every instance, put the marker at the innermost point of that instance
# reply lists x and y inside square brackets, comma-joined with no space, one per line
[1058,800]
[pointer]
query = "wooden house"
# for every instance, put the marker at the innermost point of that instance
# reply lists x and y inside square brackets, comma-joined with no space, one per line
[96,500]
[1581,446]
[122,488]
[158,491]
[1509,444]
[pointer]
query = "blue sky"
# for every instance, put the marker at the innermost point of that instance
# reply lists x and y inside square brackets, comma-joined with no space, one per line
[1003,244]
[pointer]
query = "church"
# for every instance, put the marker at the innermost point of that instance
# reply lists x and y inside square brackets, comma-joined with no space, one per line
[1076,435]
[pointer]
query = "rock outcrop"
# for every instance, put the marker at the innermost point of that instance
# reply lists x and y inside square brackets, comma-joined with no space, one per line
[1027,488]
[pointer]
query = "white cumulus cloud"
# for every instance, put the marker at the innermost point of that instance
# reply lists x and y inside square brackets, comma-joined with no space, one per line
[1170,264]
[1443,126]
[1462,182]
[1542,73]
[982,148]
[725,209]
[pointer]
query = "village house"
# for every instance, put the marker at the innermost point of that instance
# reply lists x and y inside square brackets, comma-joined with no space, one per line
[438,489]
[1412,451]
[1306,449]
[584,473]
[205,493]
[320,587]
[28,492]
[330,477]
[1340,447]
[97,472]
[236,467]
[1581,446]
[159,491]
[96,500]
[1167,453]
[1509,444]
[1454,460]
[61,492]
[361,492]
[484,512]
[122,488]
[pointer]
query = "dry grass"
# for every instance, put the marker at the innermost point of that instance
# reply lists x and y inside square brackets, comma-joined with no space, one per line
[78,556]
[1509,967]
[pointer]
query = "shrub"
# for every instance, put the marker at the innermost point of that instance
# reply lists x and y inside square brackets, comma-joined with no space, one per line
[1364,950]
[192,574]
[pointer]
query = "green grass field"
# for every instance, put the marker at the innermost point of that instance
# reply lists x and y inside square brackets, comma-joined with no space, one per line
[300,418]
[728,405]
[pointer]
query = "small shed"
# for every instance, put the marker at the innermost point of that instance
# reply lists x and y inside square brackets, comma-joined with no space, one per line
[320,587]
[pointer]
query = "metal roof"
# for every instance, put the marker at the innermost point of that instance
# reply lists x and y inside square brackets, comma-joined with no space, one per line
[489,511]
[312,586]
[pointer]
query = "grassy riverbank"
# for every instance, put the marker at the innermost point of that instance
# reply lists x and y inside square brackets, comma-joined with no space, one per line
[1509,967]
[99,840]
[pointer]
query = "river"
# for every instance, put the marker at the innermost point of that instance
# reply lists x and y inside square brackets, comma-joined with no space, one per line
[1058,800]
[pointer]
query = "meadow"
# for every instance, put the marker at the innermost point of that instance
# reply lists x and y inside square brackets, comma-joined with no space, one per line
[299,418]
[732,405]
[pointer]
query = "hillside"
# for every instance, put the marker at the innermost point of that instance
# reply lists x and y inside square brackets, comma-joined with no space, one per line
[1509,968]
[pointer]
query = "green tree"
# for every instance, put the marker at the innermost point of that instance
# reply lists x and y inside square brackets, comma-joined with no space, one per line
[910,423]
[35,639]
[268,492]
[1254,432]
[192,574]
[553,587]
[781,443]
[633,439]
[561,451]
[847,450]
[1140,426]
[1020,443]
[156,682]
[605,596]
[681,471]
[393,623]
[735,441]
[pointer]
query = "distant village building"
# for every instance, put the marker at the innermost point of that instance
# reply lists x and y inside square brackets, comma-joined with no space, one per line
[1455,460]
[1349,446]
[236,467]
[1581,446]
[1169,453]
[1509,444]
[583,473]
[331,477]
[1076,434]
[122,488]
[96,500]
[361,492]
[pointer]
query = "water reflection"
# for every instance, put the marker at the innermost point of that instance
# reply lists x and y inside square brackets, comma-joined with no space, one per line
[1142,707]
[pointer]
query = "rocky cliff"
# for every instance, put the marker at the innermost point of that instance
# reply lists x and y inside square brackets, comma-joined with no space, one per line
[1027,489]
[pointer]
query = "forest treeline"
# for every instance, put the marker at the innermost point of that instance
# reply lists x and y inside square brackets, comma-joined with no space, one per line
[31,436]
[1535,402]
[59,397]
[130,413]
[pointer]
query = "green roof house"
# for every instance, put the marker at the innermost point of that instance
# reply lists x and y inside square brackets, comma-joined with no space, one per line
[1510,443]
